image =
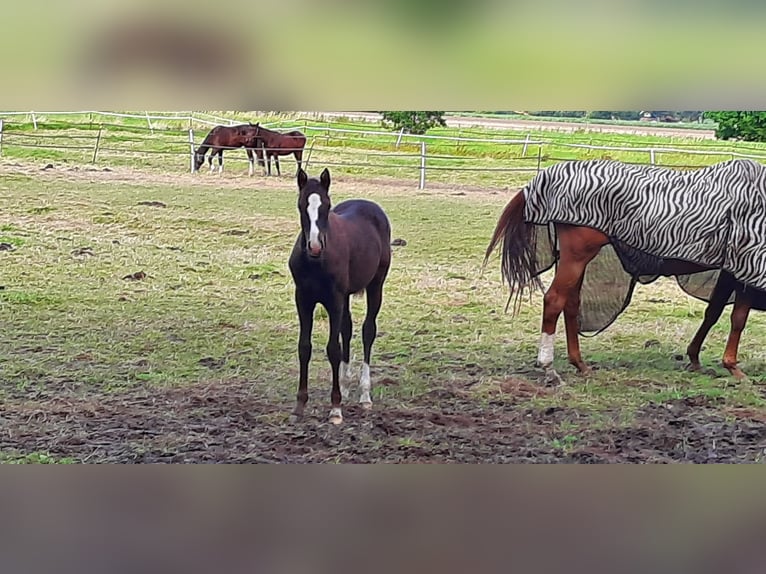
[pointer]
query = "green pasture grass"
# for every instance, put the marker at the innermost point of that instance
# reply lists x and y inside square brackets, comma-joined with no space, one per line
[216,303]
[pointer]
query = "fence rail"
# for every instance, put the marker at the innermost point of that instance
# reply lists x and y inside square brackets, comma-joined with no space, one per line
[98,136]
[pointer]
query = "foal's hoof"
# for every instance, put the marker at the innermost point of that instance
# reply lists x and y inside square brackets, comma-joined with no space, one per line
[366,405]
[295,418]
[336,417]
[693,367]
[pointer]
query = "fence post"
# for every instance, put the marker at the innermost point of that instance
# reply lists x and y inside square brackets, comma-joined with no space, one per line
[149,121]
[191,148]
[526,144]
[651,156]
[399,139]
[34,119]
[539,156]
[308,155]
[95,149]
[422,165]
[2,126]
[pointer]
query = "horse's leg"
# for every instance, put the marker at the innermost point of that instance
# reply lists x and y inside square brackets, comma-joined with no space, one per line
[335,312]
[369,331]
[572,325]
[298,157]
[250,161]
[346,329]
[721,292]
[220,161]
[576,252]
[305,308]
[276,164]
[742,304]
[210,159]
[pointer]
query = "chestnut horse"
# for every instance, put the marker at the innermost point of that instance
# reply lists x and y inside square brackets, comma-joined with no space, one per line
[228,137]
[273,144]
[577,246]
[339,251]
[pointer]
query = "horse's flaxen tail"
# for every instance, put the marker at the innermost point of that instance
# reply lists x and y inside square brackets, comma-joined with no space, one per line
[519,253]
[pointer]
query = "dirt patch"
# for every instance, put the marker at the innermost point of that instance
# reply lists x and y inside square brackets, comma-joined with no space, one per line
[231,423]
[236,178]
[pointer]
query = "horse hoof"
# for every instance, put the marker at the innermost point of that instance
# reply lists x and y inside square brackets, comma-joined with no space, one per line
[295,418]
[738,374]
[366,405]
[584,370]
[552,379]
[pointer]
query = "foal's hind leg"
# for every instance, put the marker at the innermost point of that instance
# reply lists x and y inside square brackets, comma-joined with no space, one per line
[346,329]
[723,289]
[369,331]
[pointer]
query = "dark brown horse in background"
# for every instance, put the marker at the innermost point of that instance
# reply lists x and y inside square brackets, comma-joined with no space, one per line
[222,138]
[577,247]
[272,144]
[339,251]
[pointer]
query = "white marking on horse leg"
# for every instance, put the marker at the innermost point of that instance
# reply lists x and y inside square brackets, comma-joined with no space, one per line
[336,416]
[545,353]
[345,380]
[212,167]
[313,210]
[364,384]
[250,169]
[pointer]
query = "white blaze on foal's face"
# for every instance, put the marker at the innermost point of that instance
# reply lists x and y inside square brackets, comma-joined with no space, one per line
[314,202]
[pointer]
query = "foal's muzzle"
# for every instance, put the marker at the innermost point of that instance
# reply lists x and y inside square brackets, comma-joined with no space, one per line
[314,248]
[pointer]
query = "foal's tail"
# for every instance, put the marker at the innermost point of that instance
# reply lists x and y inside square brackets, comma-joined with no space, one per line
[519,254]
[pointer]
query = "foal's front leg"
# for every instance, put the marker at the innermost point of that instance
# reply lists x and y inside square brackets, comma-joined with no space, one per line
[335,312]
[305,308]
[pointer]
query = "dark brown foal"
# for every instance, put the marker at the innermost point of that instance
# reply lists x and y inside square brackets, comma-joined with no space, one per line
[340,251]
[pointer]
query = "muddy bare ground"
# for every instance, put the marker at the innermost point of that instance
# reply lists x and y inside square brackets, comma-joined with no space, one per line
[232,424]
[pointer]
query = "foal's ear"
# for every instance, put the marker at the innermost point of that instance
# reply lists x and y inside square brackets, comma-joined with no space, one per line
[324,178]
[302,178]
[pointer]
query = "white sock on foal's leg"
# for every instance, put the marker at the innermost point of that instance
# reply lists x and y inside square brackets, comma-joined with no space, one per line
[365,386]
[345,380]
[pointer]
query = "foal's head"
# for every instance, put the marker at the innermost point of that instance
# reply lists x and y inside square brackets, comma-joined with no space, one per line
[314,207]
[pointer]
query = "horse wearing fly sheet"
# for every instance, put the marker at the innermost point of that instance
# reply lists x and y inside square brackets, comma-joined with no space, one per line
[340,251]
[629,224]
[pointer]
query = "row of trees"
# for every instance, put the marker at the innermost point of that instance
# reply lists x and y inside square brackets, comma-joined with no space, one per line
[746,126]
[682,116]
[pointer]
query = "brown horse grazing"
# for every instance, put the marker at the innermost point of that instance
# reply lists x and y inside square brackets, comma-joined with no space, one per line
[577,246]
[339,251]
[273,144]
[228,137]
